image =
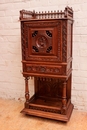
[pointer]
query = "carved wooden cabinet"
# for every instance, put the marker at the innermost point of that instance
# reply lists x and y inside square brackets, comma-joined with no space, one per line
[46,40]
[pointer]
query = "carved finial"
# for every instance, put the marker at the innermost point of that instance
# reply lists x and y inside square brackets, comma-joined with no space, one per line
[51,14]
[48,14]
[33,13]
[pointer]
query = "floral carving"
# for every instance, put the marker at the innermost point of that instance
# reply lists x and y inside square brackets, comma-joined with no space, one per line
[45,69]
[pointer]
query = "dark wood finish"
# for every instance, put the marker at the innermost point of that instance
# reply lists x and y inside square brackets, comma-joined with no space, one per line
[46,40]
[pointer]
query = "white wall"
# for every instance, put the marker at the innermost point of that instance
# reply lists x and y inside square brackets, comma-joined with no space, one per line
[11,80]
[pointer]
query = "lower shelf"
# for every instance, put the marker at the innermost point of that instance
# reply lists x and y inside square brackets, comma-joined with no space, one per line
[46,108]
[49,115]
[45,104]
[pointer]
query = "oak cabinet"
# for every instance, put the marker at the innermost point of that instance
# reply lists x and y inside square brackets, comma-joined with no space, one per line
[46,41]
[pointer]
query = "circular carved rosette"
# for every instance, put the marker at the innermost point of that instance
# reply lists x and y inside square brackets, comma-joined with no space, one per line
[41,42]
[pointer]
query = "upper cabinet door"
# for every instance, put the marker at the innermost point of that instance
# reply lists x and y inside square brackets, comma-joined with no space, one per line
[42,40]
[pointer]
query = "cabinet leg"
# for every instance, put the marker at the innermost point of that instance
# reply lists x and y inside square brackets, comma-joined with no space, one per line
[64,100]
[26,92]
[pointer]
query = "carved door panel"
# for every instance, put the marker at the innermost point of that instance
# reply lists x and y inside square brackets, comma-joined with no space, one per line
[43,40]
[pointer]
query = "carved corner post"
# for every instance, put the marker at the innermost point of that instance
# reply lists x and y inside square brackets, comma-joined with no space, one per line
[64,100]
[27,96]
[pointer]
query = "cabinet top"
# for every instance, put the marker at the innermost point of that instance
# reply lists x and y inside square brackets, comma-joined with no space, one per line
[32,15]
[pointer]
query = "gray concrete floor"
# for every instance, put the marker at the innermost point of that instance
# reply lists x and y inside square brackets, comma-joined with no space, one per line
[12,119]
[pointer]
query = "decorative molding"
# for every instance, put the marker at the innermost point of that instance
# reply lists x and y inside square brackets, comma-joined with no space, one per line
[23,40]
[64,41]
[59,42]
[44,109]
[42,24]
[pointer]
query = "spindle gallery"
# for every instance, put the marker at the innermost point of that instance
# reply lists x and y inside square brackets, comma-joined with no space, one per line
[46,40]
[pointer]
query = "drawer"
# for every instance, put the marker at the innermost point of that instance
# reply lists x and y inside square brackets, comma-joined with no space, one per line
[45,69]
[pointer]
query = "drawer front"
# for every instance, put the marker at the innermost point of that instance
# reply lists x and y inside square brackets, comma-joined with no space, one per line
[45,69]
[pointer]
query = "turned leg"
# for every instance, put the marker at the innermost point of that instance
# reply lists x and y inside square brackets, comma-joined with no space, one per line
[26,93]
[64,100]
